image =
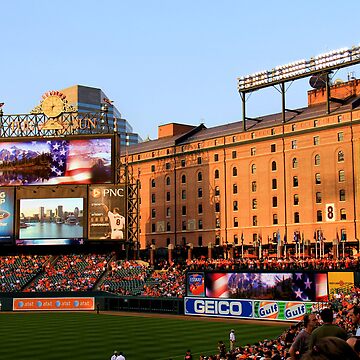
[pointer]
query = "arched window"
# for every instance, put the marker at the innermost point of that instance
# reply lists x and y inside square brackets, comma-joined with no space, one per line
[294,163]
[217,174]
[167,180]
[183,179]
[234,171]
[253,169]
[199,176]
[273,166]
[317,159]
[153,183]
[341,156]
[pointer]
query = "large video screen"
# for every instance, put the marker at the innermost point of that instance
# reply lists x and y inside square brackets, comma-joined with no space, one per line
[51,221]
[300,286]
[56,161]
[107,212]
[6,215]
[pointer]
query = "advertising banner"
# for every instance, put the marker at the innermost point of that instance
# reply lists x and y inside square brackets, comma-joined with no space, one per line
[281,310]
[56,161]
[300,286]
[6,215]
[107,207]
[50,304]
[195,284]
[340,282]
[218,307]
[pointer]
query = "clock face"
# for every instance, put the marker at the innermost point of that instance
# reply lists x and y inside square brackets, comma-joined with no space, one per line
[52,106]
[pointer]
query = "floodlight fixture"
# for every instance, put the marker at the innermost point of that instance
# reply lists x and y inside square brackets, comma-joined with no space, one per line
[322,63]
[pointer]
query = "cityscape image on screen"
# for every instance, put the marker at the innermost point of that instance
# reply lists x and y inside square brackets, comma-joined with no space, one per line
[53,218]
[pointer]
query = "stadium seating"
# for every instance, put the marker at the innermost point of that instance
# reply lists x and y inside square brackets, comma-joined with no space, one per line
[16,271]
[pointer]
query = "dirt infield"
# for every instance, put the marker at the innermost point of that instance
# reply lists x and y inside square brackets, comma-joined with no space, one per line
[198,318]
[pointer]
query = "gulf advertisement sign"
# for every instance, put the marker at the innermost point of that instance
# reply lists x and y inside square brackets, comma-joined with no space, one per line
[281,310]
[54,304]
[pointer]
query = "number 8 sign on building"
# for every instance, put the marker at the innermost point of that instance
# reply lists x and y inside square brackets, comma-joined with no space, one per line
[330,212]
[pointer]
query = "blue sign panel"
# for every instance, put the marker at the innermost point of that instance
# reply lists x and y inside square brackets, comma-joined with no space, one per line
[6,215]
[219,307]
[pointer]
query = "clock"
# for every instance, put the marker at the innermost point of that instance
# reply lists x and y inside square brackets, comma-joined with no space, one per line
[52,106]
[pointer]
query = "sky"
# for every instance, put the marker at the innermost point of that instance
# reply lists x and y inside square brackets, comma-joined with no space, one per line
[166,61]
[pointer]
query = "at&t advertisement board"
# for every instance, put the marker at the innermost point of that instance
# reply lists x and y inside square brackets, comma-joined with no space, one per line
[6,215]
[107,212]
[219,307]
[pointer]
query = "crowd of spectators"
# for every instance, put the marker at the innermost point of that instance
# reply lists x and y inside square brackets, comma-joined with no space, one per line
[279,348]
[16,271]
[71,273]
[291,263]
[126,277]
[169,282]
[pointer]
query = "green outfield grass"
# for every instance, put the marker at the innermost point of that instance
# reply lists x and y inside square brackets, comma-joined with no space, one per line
[88,336]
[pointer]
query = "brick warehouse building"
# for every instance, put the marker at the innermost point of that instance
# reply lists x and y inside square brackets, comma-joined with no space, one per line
[225,184]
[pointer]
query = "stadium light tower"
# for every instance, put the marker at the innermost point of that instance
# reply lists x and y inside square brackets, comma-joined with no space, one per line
[321,64]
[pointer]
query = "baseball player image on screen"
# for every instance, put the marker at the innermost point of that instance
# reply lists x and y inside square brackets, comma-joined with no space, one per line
[117,223]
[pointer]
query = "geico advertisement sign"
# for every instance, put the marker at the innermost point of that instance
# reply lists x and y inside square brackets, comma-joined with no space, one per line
[218,307]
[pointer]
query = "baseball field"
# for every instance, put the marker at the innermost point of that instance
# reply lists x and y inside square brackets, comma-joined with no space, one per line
[91,336]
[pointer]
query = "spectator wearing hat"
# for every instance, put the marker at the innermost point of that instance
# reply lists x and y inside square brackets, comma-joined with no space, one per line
[232,339]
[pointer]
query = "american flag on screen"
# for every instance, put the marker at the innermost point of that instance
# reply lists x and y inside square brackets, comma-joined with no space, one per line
[68,165]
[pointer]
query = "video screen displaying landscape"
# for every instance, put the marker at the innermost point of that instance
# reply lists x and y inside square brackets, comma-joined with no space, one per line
[57,218]
[56,162]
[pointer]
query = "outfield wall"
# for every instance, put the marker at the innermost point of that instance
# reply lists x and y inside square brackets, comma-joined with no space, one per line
[249,309]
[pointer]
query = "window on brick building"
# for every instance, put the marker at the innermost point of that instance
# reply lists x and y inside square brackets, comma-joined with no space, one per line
[200,208]
[183,179]
[296,199]
[199,176]
[341,175]
[217,207]
[275,219]
[183,210]
[273,147]
[254,220]
[274,184]
[217,191]
[319,215]
[274,201]
[168,181]
[199,192]
[152,183]
[342,214]
[341,156]
[295,181]
[318,197]
[317,159]
[340,136]
[235,189]
[253,151]
[273,166]
[234,171]
[317,179]
[296,217]
[294,163]
[253,186]
[200,224]
[153,213]
[253,169]
[342,195]
[216,157]
[254,204]
[236,222]
[235,205]
[216,174]
[233,154]
[199,160]
[183,194]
